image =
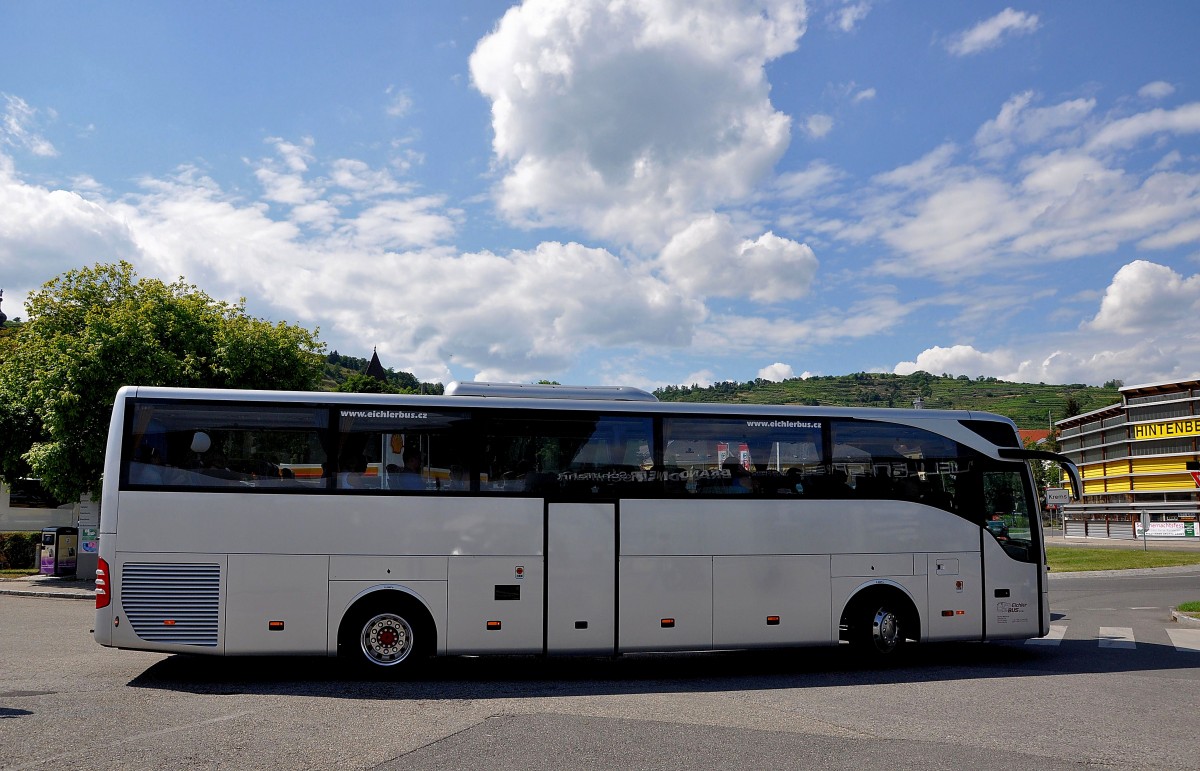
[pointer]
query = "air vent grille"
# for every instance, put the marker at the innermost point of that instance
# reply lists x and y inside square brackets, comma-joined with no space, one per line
[172,602]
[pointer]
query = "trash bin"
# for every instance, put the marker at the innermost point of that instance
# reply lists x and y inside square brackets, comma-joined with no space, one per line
[60,549]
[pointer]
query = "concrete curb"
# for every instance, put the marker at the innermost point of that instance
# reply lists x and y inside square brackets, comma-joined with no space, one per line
[53,593]
[1186,620]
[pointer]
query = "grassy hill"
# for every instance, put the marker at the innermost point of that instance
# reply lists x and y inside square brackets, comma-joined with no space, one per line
[1030,405]
[339,369]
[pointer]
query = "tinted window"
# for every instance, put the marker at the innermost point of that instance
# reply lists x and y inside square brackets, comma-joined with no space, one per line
[217,445]
[885,460]
[569,456]
[735,456]
[401,448]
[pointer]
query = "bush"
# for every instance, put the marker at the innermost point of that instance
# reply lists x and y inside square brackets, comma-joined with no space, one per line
[18,551]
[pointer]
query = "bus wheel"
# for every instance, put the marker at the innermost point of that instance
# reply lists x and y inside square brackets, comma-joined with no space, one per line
[880,625]
[386,639]
[379,638]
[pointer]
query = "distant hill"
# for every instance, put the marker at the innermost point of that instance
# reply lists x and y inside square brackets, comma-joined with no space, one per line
[339,368]
[1030,405]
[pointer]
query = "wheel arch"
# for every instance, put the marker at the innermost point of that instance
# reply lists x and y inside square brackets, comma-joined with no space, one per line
[882,589]
[388,596]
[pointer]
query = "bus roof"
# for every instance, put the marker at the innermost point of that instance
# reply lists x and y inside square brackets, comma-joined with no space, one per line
[565,400]
[549,391]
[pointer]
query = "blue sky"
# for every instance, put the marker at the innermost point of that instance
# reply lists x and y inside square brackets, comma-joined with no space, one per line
[632,193]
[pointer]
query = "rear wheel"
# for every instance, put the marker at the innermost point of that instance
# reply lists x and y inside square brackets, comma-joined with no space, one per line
[387,637]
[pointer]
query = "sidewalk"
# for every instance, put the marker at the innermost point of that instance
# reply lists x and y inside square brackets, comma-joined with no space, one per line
[67,588]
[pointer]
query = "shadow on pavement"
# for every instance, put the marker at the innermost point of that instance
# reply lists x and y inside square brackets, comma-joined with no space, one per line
[515,677]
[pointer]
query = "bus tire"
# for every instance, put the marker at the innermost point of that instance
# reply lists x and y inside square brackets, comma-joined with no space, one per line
[387,635]
[880,623]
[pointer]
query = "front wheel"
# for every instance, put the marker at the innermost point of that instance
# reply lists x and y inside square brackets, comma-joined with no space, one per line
[880,626]
[887,630]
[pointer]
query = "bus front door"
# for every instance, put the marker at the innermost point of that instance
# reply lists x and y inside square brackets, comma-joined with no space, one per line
[581,578]
[1012,547]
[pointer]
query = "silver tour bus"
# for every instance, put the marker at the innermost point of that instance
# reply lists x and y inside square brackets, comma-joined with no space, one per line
[557,520]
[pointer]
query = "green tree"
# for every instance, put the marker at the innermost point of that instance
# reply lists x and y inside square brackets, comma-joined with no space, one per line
[1045,473]
[359,383]
[90,331]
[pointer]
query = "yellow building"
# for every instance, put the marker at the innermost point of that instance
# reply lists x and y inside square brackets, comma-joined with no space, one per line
[1137,456]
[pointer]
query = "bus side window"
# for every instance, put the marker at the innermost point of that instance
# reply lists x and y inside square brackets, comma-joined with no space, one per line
[222,446]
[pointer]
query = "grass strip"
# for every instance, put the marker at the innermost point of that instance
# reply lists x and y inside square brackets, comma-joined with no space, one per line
[1070,559]
[14,573]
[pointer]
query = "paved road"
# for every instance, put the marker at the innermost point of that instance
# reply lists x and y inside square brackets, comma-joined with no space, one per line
[68,703]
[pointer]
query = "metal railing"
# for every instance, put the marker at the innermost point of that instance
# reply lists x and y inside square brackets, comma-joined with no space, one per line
[1121,521]
[1100,528]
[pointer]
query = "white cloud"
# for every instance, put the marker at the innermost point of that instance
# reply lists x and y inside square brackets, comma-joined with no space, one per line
[43,232]
[710,258]
[1169,161]
[1140,333]
[1147,298]
[956,229]
[1018,124]
[1126,131]
[1052,189]
[1091,362]
[818,126]
[629,119]
[1159,89]
[319,202]
[807,181]
[958,360]
[762,335]
[777,372]
[990,32]
[399,102]
[400,224]
[848,16]
[1184,233]
[527,313]
[377,276]
[363,181]
[18,127]
[864,95]
[930,168]
[283,178]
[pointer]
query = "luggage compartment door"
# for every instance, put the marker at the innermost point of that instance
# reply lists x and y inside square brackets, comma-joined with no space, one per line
[581,580]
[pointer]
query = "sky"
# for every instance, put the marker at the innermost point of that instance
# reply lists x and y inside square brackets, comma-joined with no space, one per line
[635,193]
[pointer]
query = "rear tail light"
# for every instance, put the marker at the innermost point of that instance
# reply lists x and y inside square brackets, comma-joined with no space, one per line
[102,595]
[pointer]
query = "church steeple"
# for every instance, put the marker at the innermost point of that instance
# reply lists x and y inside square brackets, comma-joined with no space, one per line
[375,369]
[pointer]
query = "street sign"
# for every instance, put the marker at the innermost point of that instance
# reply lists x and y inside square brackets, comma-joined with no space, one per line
[1057,496]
